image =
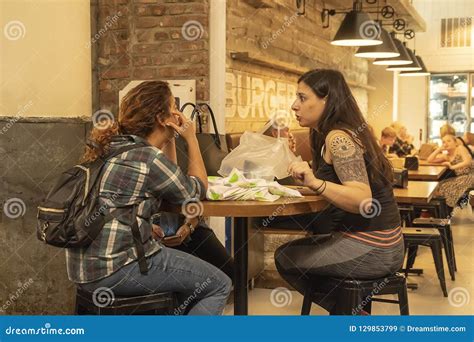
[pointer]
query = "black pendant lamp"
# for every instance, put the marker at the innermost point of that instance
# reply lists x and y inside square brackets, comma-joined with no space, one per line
[357,29]
[402,59]
[387,49]
[423,72]
[414,66]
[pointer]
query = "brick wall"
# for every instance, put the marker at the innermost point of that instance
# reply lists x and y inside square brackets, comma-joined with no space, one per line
[148,39]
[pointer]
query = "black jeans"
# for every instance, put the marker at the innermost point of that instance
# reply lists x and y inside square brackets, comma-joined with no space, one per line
[205,245]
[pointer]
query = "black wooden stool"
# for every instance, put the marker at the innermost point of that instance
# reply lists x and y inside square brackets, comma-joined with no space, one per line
[356,295]
[106,303]
[426,237]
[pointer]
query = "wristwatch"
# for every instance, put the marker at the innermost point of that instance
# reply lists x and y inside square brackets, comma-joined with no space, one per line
[191,227]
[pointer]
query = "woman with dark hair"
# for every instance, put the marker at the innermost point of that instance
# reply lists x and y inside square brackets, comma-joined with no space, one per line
[363,237]
[145,176]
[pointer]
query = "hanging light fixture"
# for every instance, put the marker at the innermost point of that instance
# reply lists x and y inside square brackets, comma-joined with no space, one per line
[387,49]
[423,72]
[357,29]
[414,66]
[402,59]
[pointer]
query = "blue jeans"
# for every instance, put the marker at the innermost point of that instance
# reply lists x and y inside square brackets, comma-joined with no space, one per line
[202,288]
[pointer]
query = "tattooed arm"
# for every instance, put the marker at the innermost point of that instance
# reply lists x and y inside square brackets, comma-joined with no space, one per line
[348,161]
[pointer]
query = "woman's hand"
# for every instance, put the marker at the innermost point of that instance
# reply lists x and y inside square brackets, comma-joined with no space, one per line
[183,126]
[183,232]
[157,232]
[302,173]
[292,142]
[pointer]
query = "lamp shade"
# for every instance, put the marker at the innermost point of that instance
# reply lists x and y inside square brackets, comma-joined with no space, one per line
[385,50]
[422,72]
[414,66]
[402,59]
[357,29]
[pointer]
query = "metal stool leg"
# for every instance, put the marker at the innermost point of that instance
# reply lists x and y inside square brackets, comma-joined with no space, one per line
[307,300]
[438,260]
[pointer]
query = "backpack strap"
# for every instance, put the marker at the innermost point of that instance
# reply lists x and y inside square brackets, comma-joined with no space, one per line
[118,214]
[137,238]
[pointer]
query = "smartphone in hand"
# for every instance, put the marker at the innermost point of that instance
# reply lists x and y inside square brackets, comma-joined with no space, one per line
[172,240]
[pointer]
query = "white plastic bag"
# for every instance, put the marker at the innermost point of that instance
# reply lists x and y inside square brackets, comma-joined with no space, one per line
[259,156]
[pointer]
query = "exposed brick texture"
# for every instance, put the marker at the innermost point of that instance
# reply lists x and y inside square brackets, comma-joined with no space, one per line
[145,39]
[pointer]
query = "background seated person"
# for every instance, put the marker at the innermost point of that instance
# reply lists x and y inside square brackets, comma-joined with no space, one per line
[458,159]
[387,140]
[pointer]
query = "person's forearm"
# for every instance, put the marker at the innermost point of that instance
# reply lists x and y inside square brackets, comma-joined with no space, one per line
[345,197]
[460,165]
[433,157]
[169,150]
[196,166]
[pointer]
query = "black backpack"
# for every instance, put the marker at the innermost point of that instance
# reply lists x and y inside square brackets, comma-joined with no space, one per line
[70,215]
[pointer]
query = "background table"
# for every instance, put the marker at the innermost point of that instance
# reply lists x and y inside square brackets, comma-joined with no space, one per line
[240,211]
[417,192]
[427,173]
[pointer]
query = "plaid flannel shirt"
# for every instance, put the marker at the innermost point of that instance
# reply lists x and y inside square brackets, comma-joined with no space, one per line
[141,176]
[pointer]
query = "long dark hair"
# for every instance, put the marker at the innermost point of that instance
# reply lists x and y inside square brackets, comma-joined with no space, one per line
[341,112]
[138,113]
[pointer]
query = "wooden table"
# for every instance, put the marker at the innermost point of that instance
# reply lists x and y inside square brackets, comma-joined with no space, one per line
[427,173]
[240,211]
[417,192]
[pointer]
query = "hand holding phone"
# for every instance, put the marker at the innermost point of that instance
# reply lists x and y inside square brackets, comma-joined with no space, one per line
[172,240]
[175,240]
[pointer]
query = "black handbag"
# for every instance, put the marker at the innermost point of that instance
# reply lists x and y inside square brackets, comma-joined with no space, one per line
[400,178]
[411,163]
[212,145]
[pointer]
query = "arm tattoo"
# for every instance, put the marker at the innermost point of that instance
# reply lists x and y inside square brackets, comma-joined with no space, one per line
[347,158]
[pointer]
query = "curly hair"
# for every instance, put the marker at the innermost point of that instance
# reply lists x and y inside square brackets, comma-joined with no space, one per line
[138,113]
